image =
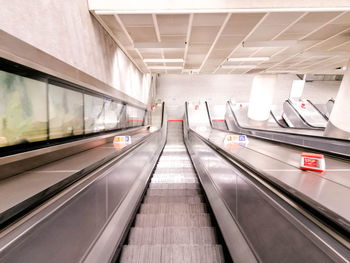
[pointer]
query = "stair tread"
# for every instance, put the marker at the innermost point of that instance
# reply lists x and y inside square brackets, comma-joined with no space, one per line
[180,219]
[172,235]
[172,208]
[172,254]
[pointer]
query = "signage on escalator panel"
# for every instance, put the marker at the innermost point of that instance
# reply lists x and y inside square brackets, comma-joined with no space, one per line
[236,139]
[121,141]
[313,162]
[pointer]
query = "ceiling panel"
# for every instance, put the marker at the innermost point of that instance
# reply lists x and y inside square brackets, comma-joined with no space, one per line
[142,34]
[172,24]
[137,20]
[211,42]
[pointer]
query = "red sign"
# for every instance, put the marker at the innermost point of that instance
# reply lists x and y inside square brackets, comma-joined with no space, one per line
[310,162]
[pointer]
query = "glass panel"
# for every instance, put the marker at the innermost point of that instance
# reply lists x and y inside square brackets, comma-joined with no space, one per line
[94,114]
[129,116]
[112,114]
[23,110]
[66,112]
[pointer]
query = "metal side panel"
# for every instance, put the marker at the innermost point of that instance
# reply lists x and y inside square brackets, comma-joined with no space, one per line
[272,230]
[239,248]
[68,228]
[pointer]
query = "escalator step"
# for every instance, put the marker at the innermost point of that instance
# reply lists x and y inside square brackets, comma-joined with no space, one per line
[172,254]
[168,220]
[174,179]
[174,186]
[172,235]
[174,175]
[173,199]
[172,208]
[174,192]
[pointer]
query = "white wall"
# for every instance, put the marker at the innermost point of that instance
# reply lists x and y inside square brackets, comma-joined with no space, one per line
[66,30]
[217,89]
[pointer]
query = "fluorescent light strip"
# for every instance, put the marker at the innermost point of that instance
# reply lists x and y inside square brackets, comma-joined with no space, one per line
[248,59]
[238,66]
[163,60]
[164,67]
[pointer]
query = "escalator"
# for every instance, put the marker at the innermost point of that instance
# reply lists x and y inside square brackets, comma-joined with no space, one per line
[173,223]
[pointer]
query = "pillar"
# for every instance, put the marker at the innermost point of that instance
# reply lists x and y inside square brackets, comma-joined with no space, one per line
[261,97]
[297,89]
[339,122]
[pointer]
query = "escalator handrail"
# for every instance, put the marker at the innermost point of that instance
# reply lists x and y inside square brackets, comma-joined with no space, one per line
[337,141]
[278,122]
[316,108]
[324,218]
[302,118]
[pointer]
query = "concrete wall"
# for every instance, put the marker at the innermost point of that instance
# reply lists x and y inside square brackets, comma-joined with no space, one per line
[66,30]
[217,89]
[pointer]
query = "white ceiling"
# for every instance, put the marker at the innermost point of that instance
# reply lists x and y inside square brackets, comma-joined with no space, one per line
[212,38]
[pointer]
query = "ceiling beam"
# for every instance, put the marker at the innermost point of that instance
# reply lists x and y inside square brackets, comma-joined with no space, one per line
[275,37]
[218,6]
[105,27]
[156,28]
[227,18]
[240,43]
[316,44]
[188,37]
[125,31]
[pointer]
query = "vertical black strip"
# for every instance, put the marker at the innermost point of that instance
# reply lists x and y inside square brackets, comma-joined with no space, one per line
[47,111]
[82,94]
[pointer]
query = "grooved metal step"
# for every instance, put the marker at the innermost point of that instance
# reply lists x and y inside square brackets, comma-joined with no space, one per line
[166,220]
[173,199]
[174,192]
[174,180]
[174,186]
[173,224]
[172,254]
[172,208]
[172,235]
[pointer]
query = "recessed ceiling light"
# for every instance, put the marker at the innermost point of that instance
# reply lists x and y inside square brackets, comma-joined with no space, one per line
[248,59]
[238,66]
[165,60]
[164,67]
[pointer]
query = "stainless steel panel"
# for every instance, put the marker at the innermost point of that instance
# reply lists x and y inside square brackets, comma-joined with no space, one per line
[272,232]
[43,181]
[66,233]
[18,163]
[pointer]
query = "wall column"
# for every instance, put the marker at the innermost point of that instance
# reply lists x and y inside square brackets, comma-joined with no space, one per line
[339,121]
[261,97]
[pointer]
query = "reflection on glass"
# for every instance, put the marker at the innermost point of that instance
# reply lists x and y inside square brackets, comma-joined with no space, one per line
[65,111]
[23,110]
[112,112]
[134,116]
[94,114]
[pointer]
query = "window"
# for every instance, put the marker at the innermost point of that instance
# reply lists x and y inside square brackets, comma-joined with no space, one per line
[23,109]
[65,112]
[112,114]
[94,113]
